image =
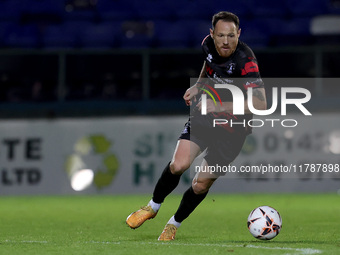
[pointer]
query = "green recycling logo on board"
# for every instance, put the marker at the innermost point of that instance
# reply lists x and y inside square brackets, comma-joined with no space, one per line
[93,152]
[249,146]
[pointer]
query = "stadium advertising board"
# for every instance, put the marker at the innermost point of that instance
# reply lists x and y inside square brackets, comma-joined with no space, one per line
[127,155]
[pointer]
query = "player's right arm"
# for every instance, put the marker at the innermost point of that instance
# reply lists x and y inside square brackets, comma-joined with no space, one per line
[191,92]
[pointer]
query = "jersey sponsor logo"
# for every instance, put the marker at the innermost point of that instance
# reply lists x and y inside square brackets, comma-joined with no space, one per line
[230,68]
[250,67]
[209,57]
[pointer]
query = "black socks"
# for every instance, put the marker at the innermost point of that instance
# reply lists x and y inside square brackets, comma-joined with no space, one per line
[188,204]
[165,185]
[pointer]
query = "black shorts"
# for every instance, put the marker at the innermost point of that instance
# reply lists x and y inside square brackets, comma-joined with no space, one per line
[222,146]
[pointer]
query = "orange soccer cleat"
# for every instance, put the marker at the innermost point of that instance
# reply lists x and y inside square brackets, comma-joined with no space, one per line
[168,233]
[136,219]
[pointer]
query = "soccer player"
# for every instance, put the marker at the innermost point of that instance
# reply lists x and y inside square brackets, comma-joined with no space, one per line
[227,60]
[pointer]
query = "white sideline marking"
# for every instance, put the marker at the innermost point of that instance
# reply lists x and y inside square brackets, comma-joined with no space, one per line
[103,242]
[26,241]
[302,251]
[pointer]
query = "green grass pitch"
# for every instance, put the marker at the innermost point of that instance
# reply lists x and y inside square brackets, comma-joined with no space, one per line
[96,225]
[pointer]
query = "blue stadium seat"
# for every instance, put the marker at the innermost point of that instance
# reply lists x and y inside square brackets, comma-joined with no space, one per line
[242,8]
[43,12]
[136,41]
[101,35]
[254,34]
[293,32]
[118,10]
[307,8]
[255,38]
[22,36]
[199,9]
[11,10]
[44,6]
[4,26]
[269,8]
[155,9]
[72,13]
[297,26]
[65,35]
[171,34]
[137,34]
[268,25]
[334,7]
[197,30]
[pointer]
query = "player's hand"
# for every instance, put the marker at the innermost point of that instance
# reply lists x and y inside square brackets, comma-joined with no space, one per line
[190,94]
[211,107]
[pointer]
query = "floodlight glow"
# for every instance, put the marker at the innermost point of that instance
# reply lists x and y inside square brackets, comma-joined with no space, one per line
[289,134]
[82,179]
[334,142]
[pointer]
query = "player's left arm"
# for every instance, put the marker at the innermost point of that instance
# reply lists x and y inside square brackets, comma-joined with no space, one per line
[191,92]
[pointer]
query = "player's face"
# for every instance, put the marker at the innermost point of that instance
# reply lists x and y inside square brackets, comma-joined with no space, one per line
[225,36]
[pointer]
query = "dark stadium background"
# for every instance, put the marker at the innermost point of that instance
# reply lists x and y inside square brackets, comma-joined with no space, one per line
[116,57]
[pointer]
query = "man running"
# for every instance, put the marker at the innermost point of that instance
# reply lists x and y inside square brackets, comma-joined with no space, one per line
[227,60]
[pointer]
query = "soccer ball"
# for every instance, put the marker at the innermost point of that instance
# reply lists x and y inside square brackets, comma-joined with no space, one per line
[264,222]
